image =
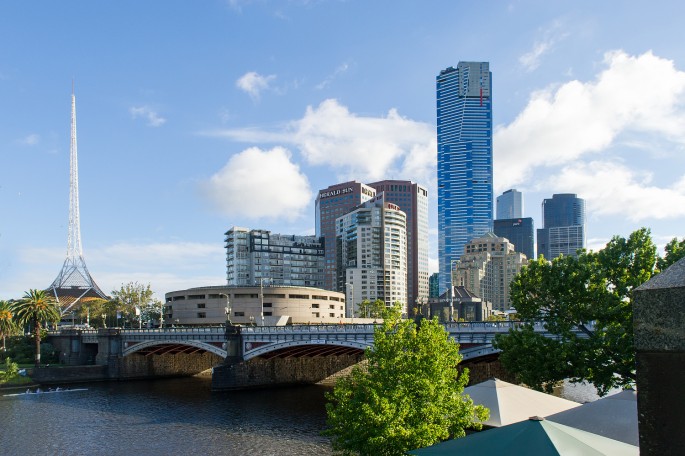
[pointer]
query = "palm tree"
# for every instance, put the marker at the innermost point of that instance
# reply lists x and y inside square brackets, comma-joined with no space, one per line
[6,321]
[36,307]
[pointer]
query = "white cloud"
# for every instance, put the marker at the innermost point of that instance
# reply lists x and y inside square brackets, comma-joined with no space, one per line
[611,188]
[362,148]
[551,36]
[254,84]
[258,184]
[145,112]
[330,78]
[635,94]
[30,140]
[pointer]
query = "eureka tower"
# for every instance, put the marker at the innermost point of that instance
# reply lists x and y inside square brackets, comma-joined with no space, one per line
[465,196]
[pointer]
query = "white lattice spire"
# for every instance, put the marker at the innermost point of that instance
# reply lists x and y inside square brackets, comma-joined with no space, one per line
[74,281]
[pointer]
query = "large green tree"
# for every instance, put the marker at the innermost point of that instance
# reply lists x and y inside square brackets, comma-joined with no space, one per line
[673,251]
[7,324]
[133,300]
[586,302]
[35,308]
[408,396]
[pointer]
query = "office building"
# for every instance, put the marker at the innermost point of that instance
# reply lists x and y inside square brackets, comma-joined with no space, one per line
[371,249]
[510,205]
[487,267]
[412,199]
[464,129]
[434,291]
[255,257]
[520,232]
[331,203]
[563,226]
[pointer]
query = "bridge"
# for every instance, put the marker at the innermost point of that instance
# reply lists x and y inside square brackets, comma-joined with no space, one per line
[240,355]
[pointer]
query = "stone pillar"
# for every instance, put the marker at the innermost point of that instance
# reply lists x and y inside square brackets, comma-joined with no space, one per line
[109,350]
[659,325]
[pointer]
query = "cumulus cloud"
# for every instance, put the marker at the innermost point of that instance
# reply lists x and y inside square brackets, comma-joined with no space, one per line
[642,94]
[145,112]
[258,184]
[359,147]
[254,84]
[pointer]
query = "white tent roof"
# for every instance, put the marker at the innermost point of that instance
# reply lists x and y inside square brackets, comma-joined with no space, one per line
[613,416]
[509,403]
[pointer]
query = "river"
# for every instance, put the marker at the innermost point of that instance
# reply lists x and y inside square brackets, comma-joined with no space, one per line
[177,416]
[164,417]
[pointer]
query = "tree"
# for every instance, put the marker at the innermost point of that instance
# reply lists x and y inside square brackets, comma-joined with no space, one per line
[132,296]
[7,325]
[408,396]
[35,308]
[584,301]
[674,251]
[373,309]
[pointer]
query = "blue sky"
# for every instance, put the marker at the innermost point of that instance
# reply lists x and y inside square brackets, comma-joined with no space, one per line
[197,116]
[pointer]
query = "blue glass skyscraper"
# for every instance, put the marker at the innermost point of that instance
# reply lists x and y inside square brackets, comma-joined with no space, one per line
[465,196]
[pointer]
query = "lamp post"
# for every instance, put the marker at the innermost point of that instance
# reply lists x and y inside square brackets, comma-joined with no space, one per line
[104,321]
[161,317]
[347,284]
[227,309]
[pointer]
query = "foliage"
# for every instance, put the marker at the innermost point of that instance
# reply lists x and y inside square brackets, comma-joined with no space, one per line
[375,309]
[35,308]
[409,395]
[135,303]
[22,350]
[586,303]
[673,251]
[11,370]
[7,323]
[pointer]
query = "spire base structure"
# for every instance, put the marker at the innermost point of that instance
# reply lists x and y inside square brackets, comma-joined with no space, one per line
[74,284]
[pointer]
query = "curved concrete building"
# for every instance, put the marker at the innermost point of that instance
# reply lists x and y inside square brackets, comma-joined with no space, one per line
[267,305]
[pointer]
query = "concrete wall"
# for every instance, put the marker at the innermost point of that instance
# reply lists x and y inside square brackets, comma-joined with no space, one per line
[167,365]
[261,373]
[69,374]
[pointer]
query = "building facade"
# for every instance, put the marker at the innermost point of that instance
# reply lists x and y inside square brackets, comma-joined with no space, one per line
[371,246]
[510,205]
[434,290]
[520,232]
[563,226]
[256,256]
[412,199]
[253,305]
[464,130]
[487,267]
[331,203]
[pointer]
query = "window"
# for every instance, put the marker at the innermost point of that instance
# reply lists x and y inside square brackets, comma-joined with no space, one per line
[239,314]
[201,315]
[201,305]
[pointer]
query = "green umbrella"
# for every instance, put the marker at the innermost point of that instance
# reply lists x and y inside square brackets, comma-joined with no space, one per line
[534,436]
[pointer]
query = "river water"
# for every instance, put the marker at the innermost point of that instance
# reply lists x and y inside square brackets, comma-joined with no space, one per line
[174,417]
[165,417]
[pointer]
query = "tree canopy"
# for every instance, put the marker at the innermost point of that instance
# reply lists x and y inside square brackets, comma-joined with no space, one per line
[586,301]
[673,251]
[408,396]
[35,308]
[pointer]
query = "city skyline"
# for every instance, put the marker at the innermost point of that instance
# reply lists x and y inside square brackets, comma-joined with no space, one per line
[193,119]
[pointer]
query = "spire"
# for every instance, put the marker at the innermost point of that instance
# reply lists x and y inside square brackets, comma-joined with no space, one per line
[74,283]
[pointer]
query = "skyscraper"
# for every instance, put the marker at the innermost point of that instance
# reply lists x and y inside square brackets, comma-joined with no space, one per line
[331,203]
[464,128]
[520,232]
[413,201]
[510,205]
[563,226]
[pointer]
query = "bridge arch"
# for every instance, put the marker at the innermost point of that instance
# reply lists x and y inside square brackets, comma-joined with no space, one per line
[277,346]
[189,343]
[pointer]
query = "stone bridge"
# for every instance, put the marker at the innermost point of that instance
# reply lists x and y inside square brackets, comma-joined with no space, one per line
[247,356]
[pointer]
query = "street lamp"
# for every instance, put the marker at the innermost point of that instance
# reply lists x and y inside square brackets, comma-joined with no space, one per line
[352,300]
[227,309]
[104,321]
[161,317]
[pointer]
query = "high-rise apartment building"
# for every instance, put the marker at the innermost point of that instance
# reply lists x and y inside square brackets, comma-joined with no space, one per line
[520,232]
[486,268]
[371,247]
[464,128]
[510,205]
[256,257]
[412,199]
[563,226]
[331,203]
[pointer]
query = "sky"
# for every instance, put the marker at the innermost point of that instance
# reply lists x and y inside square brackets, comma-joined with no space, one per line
[193,117]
